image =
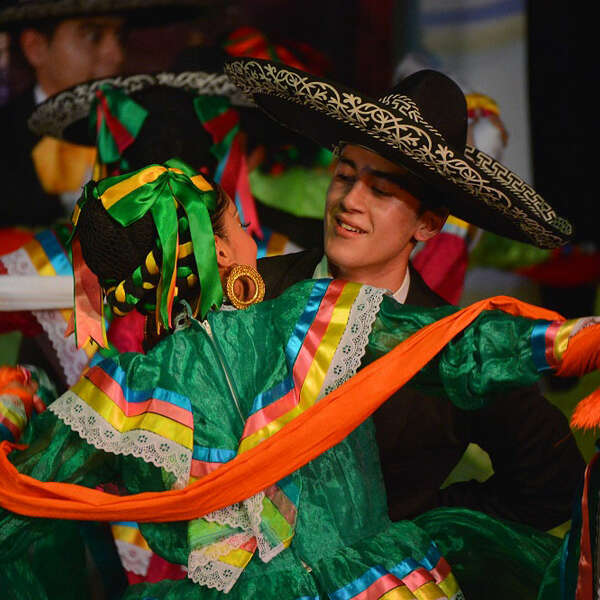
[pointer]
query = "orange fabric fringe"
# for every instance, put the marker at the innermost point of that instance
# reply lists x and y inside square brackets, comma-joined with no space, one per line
[328,421]
[15,381]
[583,356]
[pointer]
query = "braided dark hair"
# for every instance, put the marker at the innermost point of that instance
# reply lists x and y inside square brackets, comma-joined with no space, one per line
[127,260]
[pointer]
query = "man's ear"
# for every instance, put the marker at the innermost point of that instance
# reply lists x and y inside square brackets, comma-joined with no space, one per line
[34,45]
[430,224]
[224,255]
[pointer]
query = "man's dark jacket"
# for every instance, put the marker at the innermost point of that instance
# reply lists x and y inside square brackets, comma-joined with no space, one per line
[537,466]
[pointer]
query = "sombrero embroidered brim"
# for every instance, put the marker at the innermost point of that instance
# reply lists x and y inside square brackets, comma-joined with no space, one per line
[474,186]
[21,12]
[65,115]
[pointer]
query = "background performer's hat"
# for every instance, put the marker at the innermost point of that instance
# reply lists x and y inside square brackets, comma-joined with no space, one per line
[21,13]
[66,114]
[421,125]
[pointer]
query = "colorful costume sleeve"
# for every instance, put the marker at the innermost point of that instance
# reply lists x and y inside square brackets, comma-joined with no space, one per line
[497,352]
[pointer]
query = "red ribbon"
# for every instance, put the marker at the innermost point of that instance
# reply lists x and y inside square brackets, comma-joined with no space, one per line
[585,586]
[122,137]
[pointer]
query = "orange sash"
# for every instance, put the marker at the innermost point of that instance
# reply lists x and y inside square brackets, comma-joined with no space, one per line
[328,421]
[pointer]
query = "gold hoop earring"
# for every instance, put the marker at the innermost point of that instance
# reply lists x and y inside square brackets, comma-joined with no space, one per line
[239,272]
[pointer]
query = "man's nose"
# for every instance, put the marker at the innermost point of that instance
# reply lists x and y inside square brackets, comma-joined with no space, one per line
[112,53]
[354,200]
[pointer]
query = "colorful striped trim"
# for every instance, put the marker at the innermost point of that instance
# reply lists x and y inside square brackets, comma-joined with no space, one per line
[309,352]
[45,255]
[429,579]
[241,556]
[549,340]
[129,531]
[133,550]
[160,411]
[48,255]
[455,226]
[205,460]
[155,425]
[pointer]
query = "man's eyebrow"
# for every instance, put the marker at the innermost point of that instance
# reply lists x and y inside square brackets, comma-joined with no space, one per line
[396,178]
[391,177]
[347,161]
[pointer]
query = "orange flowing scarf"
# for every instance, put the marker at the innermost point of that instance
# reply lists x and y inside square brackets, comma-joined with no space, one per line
[306,437]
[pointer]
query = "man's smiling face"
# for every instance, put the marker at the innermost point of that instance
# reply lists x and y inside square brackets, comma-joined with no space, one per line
[371,219]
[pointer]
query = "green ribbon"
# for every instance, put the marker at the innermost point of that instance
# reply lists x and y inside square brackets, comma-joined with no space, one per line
[121,119]
[208,110]
[161,196]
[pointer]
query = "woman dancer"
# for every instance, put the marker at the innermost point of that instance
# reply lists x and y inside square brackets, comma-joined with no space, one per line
[229,390]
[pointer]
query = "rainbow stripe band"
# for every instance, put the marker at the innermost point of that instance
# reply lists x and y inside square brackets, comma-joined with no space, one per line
[12,420]
[274,402]
[129,532]
[455,226]
[49,258]
[408,579]
[165,413]
[45,250]
[549,340]
[308,352]
[205,460]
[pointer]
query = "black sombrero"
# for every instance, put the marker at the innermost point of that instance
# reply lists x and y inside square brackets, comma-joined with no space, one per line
[422,125]
[65,115]
[19,13]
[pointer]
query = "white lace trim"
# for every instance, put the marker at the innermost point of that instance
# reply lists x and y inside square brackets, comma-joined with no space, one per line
[71,359]
[148,446]
[255,508]
[204,566]
[18,263]
[224,547]
[353,343]
[133,558]
[212,574]
[241,514]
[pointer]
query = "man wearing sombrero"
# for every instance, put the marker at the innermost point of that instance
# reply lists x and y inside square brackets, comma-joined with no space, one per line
[63,42]
[403,163]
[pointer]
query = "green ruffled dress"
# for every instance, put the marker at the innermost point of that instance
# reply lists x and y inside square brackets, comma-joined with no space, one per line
[153,422]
